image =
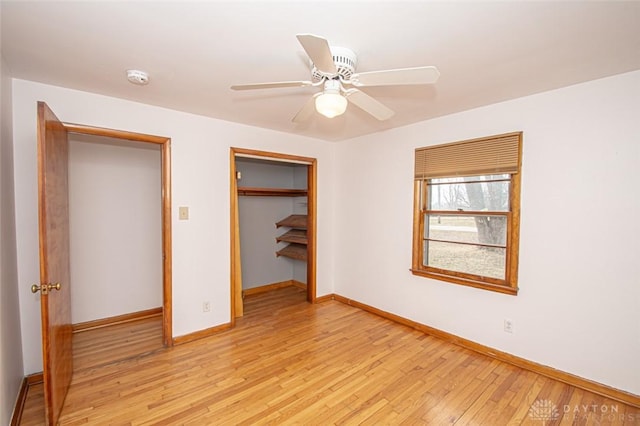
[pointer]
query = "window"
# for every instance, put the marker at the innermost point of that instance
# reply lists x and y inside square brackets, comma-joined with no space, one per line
[467,212]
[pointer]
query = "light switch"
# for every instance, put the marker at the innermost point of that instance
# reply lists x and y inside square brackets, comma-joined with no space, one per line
[183,213]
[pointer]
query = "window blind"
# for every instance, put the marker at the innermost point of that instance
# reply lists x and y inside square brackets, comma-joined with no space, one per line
[489,155]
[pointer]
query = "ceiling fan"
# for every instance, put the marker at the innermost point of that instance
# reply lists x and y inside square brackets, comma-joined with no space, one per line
[333,68]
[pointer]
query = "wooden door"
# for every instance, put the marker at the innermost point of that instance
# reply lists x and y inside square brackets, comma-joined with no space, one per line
[53,211]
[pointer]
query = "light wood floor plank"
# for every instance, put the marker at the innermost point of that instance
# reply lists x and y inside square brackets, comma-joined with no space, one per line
[290,362]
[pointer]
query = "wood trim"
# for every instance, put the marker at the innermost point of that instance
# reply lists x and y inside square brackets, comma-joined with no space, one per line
[299,284]
[271,192]
[500,288]
[514,230]
[167,254]
[237,308]
[273,286]
[111,133]
[35,379]
[325,298]
[464,243]
[267,287]
[544,370]
[201,334]
[28,381]
[468,212]
[118,319]
[16,417]
[167,247]
[418,230]
[312,221]
[252,153]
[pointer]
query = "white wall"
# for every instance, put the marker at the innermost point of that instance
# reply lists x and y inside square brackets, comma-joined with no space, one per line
[200,179]
[115,227]
[11,371]
[579,298]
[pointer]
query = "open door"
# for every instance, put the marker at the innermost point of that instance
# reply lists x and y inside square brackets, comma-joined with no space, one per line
[55,295]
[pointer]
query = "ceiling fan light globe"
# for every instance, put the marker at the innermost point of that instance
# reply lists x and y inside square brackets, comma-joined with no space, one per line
[331,104]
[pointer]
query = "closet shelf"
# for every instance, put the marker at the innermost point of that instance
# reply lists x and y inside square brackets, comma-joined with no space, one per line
[271,192]
[294,251]
[298,236]
[297,221]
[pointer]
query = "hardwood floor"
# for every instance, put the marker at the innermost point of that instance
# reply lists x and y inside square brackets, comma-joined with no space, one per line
[289,362]
[99,347]
[122,341]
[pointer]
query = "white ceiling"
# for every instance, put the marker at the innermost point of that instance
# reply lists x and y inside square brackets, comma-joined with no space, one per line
[486,52]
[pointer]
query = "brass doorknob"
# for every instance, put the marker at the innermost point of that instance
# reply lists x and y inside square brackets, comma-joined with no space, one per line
[45,288]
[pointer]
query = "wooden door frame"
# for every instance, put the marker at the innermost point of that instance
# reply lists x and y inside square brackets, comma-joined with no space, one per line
[236,272]
[165,165]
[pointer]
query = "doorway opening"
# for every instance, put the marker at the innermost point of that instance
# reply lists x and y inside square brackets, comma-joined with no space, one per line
[284,225]
[79,135]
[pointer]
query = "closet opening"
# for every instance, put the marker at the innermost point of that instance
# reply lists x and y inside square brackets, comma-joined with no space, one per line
[273,224]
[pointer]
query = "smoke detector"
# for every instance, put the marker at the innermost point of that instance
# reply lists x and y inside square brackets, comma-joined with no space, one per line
[138,77]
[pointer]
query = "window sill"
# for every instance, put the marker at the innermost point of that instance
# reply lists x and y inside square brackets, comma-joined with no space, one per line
[469,283]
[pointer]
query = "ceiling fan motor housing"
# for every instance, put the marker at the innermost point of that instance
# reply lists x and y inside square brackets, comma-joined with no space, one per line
[345,60]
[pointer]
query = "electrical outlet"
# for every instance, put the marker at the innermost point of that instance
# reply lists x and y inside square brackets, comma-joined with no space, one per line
[206,307]
[508,326]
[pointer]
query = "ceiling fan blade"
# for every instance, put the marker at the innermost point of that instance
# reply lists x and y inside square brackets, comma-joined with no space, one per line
[275,85]
[402,76]
[369,104]
[307,110]
[318,50]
